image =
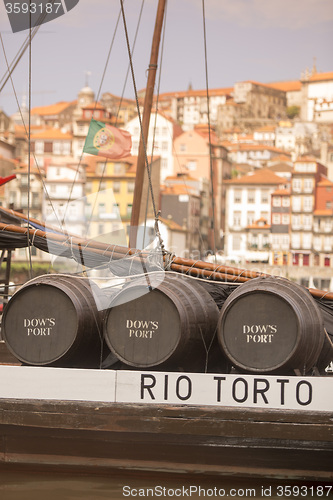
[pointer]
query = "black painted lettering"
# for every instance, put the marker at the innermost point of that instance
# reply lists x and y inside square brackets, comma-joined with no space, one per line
[166,385]
[147,386]
[298,399]
[261,391]
[219,380]
[189,388]
[246,390]
[282,382]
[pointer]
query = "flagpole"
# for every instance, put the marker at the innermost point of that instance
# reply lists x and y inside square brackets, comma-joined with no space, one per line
[141,163]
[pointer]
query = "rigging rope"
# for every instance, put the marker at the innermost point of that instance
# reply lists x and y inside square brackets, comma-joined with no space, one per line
[29,141]
[82,153]
[120,102]
[156,111]
[27,133]
[156,213]
[209,131]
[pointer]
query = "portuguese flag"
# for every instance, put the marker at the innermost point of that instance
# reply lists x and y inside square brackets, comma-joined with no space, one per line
[108,141]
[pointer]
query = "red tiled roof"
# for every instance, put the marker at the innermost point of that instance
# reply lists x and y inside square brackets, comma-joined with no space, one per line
[317,77]
[324,182]
[255,147]
[287,86]
[324,212]
[282,192]
[52,133]
[52,109]
[171,224]
[262,176]
[198,93]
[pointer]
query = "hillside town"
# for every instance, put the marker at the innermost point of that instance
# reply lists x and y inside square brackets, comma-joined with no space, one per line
[251,181]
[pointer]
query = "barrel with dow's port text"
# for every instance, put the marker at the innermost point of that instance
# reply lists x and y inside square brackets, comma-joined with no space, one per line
[172,326]
[54,320]
[271,325]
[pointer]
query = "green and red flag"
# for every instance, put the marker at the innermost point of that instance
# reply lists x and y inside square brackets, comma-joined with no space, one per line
[108,141]
[3,180]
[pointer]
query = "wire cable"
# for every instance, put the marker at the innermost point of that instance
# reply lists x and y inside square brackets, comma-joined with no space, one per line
[209,131]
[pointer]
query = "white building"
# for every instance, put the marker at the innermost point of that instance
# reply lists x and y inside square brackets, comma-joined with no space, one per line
[248,208]
[64,201]
[317,97]
[189,108]
[162,132]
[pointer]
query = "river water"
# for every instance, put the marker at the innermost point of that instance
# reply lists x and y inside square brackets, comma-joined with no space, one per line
[18,485]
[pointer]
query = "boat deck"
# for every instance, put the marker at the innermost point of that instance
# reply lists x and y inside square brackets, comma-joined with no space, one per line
[203,440]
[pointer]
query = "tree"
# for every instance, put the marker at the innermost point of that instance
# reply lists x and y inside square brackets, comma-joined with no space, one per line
[293,111]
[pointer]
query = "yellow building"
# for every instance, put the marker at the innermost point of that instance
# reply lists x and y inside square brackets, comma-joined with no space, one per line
[109,190]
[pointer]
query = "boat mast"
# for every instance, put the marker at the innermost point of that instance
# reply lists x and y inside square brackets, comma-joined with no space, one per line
[141,163]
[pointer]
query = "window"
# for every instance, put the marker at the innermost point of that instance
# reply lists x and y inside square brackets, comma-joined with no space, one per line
[307,222]
[250,218]
[285,219]
[39,147]
[35,200]
[12,197]
[297,185]
[264,196]
[130,187]
[237,219]
[237,196]
[24,200]
[307,240]
[191,165]
[327,225]
[251,196]
[328,204]
[101,208]
[116,187]
[66,148]
[308,185]
[275,240]
[164,146]
[57,148]
[276,201]
[182,147]
[295,240]
[285,201]
[285,240]
[307,203]
[296,202]
[327,244]
[276,219]
[296,222]
[317,243]
[129,209]
[117,168]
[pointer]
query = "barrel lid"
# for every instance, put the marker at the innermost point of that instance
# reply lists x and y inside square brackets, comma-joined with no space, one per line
[258,330]
[144,329]
[40,323]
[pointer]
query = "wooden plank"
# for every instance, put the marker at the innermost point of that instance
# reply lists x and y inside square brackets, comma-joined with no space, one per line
[165,451]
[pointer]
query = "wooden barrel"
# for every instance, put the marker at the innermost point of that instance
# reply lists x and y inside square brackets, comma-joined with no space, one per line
[271,325]
[172,326]
[53,320]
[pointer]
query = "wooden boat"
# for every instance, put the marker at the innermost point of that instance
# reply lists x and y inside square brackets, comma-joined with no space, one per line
[218,423]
